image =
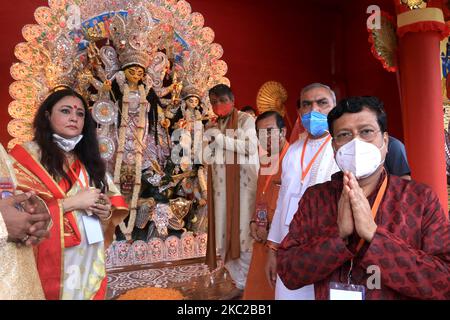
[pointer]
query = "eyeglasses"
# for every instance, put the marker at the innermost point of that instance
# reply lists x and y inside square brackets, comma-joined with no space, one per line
[343,137]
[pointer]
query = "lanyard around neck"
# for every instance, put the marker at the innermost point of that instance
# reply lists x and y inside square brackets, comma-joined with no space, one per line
[308,167]
[374,210]
[375,207]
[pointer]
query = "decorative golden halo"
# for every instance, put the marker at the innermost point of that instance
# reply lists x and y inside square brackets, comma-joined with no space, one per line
[272,96]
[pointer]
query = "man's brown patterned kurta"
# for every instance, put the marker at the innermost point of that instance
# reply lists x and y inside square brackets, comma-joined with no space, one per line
[411,245]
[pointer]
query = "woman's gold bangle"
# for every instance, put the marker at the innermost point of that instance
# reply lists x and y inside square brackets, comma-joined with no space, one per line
[108,217]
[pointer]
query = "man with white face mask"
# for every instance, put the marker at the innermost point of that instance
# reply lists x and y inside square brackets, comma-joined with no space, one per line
[308,161]
[366,234]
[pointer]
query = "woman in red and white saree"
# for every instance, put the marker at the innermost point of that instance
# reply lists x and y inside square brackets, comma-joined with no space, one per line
[63,166]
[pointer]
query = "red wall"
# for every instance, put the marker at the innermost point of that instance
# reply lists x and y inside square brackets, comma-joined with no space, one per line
[265,40]
[364,75]
[286,41]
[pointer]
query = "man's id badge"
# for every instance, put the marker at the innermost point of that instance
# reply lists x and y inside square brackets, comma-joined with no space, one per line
[262,218]
[342,291]
[93,229]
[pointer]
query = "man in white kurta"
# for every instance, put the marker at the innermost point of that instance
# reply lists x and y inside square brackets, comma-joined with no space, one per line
[319,157]
[245,146]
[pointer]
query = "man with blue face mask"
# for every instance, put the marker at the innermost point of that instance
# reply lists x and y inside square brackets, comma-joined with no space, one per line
[367,234]
[308,161]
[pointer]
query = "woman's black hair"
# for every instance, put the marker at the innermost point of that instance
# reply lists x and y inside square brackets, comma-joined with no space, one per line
[87,150]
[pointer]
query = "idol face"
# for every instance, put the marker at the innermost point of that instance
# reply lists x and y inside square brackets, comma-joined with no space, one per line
[134,74]
[192,102]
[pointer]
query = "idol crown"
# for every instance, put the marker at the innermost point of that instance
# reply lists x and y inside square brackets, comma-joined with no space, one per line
[130,35]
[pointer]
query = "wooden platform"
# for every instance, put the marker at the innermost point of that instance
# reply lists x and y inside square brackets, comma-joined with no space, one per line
[191,277]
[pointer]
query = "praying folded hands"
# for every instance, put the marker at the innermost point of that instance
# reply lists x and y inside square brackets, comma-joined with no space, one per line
[354,211]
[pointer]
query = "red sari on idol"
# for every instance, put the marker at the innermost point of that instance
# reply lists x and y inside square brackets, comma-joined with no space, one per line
[69,266]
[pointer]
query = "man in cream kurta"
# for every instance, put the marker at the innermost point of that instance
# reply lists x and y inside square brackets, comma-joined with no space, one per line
[245,145]
[19,278]
[319,155]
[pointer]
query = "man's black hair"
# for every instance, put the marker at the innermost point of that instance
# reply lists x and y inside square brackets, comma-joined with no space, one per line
[221,90]
[267,114]
[355,105]
[248,108]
